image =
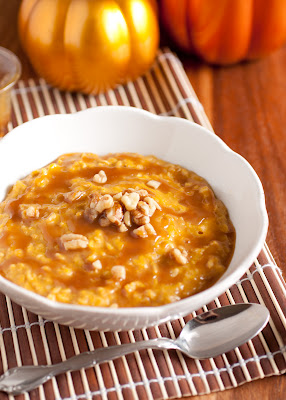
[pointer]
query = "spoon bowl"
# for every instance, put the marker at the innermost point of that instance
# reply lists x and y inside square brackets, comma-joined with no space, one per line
[218,331]
[207,335]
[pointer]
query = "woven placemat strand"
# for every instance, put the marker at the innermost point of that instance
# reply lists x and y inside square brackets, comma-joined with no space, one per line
[28,339]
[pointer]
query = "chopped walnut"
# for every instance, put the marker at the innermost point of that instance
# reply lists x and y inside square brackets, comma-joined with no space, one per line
[153,205]
[127,218]
[174,272]
[144,231]
[97,265]
[139,218]
[104,203]
[123,228]
[133,286]
[153,184]
[143,207]
[179,256]
[118,271]
[115,214]
[90,214]
[72,241]
[140,232]
[130,200]
[142,193]
[117,196]
[150,229]
[70,197]
[94,199]
[109,210]
[100,177]
[103,220]
[32,212]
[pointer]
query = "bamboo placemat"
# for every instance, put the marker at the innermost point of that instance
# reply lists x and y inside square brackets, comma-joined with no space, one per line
[28,339]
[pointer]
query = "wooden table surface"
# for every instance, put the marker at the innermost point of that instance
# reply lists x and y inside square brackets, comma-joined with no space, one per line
[246,105]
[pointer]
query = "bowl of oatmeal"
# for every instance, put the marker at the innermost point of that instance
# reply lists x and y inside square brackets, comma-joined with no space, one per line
[114,218]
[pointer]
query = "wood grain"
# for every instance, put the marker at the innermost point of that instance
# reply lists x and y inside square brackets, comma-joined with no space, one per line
[246,104]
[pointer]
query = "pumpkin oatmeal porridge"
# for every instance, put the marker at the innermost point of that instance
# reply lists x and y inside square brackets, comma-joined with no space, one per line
[123,230]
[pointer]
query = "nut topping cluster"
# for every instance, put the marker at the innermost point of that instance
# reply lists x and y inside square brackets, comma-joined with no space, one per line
[123,209]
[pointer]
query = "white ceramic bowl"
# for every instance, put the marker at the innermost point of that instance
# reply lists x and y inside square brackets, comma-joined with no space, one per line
[122,129]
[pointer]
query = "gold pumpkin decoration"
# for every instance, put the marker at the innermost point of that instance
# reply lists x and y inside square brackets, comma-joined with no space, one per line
[89,45]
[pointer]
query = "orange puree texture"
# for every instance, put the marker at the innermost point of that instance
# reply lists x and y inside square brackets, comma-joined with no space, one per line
[123,230]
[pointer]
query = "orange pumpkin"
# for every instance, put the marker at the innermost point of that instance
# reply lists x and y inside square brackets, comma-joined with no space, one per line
[89,45]
[225,31]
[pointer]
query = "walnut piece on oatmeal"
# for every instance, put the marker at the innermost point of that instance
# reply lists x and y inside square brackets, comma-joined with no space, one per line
[127,218]
[115,214]
[153,205]
[103,220]
[130,200]
[90,214]
[73,241]
[104,203]
[100,177]
[97,265]
[139,218]
[94,199]
[144,231]
[72,196]
[32,212]
[179,256]
[119,272]
[117,196]
[123,228]
[153,184]
[143,207]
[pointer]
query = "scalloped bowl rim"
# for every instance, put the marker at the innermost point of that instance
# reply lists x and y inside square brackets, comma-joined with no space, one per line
[173,308]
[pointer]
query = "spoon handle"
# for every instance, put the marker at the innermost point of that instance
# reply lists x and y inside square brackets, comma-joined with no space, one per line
[21,379]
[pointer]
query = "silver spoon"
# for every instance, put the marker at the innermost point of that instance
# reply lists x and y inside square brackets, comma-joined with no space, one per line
[207,335]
